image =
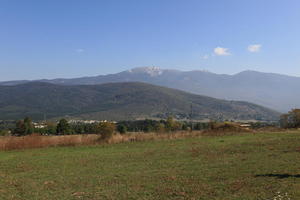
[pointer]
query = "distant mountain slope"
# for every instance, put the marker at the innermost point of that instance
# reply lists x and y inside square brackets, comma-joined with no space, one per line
[275,91]
[119,101]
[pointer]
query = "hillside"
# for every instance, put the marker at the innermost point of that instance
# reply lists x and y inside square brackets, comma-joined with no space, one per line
[119,101]
[271,90]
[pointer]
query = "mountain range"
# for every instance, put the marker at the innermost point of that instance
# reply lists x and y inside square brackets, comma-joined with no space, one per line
[120,101]
[275,91]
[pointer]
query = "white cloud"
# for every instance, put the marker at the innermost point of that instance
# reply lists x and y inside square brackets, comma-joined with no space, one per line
[254,48]
[220,51]
[205,57]
[79,50]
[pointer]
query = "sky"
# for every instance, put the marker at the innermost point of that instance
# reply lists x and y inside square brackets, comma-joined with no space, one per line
[75,38]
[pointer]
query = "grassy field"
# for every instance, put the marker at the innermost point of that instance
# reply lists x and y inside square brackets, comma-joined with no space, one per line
[246,166]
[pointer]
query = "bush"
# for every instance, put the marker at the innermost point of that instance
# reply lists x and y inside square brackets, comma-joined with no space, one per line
[160,128]
[106,129]
[4,132]
[122,128]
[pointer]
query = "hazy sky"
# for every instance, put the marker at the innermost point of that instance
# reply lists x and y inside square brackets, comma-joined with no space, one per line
[72,38]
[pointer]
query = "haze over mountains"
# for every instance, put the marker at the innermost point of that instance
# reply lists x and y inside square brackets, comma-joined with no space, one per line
[120,101]
[279,92]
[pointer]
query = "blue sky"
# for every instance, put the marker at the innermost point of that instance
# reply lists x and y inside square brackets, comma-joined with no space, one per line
[73,38]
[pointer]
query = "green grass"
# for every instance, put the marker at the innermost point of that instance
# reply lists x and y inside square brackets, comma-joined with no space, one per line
[230,167]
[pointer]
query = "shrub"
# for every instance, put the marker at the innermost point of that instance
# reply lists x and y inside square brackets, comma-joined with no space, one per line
[106,129]
[4,132]
[122,128]
[160,127]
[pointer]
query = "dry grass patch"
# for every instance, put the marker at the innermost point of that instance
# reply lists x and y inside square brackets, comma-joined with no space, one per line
[38,141]
[136,137]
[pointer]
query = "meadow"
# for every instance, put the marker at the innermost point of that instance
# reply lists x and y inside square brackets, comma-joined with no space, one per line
[240,166]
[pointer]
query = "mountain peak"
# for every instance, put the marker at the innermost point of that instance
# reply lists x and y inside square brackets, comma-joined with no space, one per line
[249,72]
[152,71]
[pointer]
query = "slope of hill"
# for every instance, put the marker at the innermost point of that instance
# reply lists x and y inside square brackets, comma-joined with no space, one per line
[119,101]
[271,90]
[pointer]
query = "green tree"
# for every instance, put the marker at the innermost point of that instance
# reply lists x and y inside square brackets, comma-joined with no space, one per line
[291,119]
[29,128]
[169,123]
[51,128]
[185,127]
[63,127]
[122,128]
[296,117]
[20,128]
[172,125]
[24,127]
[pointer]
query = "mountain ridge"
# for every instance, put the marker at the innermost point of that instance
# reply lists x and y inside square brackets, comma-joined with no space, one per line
[14,82]
[119,101]
[267,89]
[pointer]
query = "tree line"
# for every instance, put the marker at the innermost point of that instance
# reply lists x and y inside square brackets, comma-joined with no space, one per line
[63,127]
